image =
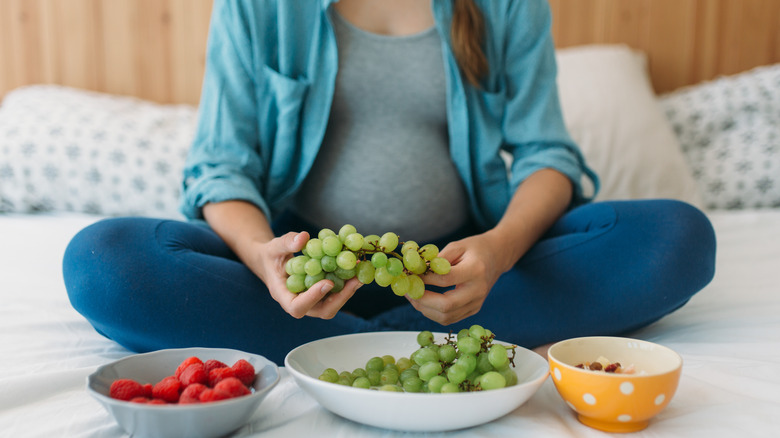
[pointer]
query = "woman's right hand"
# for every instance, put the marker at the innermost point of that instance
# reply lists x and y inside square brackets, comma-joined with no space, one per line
[317,301]
[245,229]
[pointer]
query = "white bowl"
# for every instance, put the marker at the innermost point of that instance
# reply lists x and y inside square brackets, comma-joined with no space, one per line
[405,411]
[211,419]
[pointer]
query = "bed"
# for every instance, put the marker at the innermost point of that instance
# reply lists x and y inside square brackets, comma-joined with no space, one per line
[661,97]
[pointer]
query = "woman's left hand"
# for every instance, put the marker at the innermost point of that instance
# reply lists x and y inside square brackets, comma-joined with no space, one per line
[476,266]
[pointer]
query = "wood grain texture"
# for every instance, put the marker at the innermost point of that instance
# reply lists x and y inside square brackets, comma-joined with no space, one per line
[155,49]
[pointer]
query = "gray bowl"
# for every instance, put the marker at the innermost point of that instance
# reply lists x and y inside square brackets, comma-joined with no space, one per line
[191,420]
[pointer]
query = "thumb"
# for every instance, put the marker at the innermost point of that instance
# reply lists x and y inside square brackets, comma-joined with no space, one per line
[294,242]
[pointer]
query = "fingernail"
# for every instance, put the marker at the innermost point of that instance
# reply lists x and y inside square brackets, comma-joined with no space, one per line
[326,288]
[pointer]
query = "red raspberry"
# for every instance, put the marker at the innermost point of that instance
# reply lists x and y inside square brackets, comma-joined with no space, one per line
[167,389]
[218,374]
[142,400]
[194,373]
[148,390]
[126,389]
[232,386]
[187,362]
[211,395]
[244,371]
[191,394]
[212,364]
[157,401]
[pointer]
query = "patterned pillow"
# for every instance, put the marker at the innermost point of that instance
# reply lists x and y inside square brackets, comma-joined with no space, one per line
[63,149]
[729,130]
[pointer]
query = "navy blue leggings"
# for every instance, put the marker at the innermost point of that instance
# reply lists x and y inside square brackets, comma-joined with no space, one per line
[603,269]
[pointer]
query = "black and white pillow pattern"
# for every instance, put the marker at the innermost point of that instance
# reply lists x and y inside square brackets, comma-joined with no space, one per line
[729,129]
[63,149]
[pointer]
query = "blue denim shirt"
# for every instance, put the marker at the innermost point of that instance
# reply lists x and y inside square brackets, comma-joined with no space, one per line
[270,77]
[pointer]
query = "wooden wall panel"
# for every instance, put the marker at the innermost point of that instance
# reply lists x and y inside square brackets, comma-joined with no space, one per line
[155,49]
[687,41]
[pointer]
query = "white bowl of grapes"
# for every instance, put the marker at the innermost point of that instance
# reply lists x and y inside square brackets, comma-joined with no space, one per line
[418,381]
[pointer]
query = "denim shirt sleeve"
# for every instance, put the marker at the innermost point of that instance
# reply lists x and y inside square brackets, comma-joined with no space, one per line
[224,162]
[533,123]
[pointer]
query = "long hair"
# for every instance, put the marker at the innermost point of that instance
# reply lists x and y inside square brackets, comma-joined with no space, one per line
[468,35]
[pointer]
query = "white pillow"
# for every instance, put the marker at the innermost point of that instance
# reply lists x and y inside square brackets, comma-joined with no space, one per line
[612,112]
[63,149]
[729,129]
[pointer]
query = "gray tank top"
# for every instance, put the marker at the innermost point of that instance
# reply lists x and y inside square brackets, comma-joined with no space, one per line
[384,164]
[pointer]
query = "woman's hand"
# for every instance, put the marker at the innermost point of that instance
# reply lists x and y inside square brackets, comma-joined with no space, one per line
[245,229]
[268,263]
[475,269]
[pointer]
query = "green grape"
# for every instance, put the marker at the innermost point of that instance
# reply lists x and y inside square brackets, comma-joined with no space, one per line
[345,274]
[379,259]
[407,374]
[346,260]
[469,345]
[435,383]
[416,287]
[429,369]
[388,242]
[311,280]
[331,245]
[388,377]
[365,272]
[325,232]
[425,338]
[457,373]
[509,375]
[483,363]
[491,380]
[347,377]
[395,266]
[338,283]
[469,361]
[429,251]
[462,333]
[403,363]
[370,242]
[447,353]
[298,264]
[361,382]
[400,284]
[373,377]
[390,388]
[413,384]
[312,267]
[476,331]
[421,268]
[440,265]
[375,363]
[329,375]
[345,231]
[409,245]
[354,242]
[328,263]
[449,387]
[359,372]
[314,248]
[288,266]
[296,284]
[412,260]
[424,355]
[382,277]
[498,356]
[388,360]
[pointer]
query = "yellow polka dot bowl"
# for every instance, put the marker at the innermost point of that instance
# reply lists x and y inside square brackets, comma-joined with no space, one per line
[615,402]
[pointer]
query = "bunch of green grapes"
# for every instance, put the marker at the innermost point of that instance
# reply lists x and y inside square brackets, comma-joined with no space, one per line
[470,362]
[372,258]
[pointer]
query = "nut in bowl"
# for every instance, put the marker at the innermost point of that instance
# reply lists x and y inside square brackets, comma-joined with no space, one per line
[407,411]
[208,419]
[615,401]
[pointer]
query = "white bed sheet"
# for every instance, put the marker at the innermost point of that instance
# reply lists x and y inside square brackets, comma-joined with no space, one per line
[728,336]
